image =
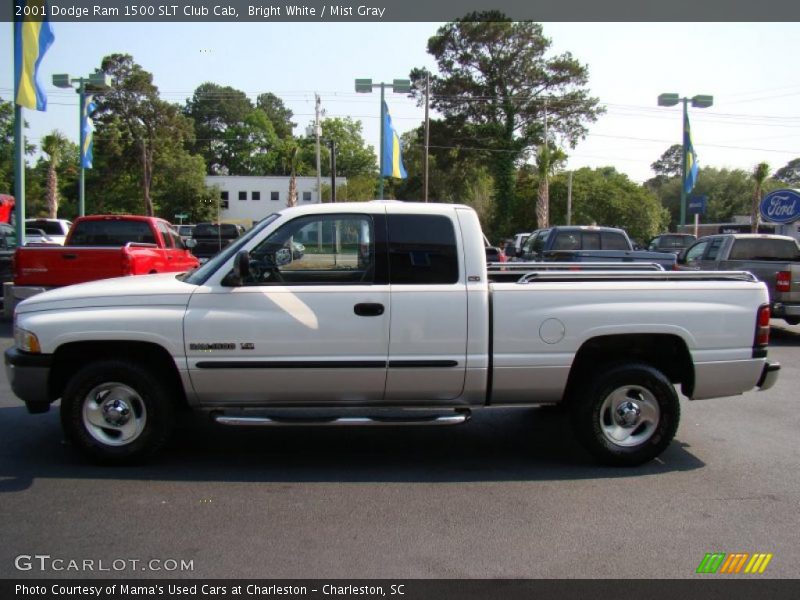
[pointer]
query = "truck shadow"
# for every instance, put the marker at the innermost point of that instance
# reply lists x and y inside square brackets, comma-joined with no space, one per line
[504,445]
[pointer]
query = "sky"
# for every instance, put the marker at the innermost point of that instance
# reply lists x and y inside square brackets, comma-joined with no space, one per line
[749,68]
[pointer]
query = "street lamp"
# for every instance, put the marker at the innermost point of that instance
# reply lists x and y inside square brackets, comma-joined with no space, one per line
[399,86]
[98,80]
[701,101]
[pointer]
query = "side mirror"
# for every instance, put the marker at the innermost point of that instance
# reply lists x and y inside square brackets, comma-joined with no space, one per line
[190,243]
[241,270]
[241,265]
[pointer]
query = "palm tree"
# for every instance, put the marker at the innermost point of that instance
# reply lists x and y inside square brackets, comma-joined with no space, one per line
[53,145]
[548,159]
[760,174]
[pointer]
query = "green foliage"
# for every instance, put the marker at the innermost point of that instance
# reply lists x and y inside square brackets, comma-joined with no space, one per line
[7,147]
[495,86]
[277,113]
[670,163]
[729,193]
[606,197]
[789,174]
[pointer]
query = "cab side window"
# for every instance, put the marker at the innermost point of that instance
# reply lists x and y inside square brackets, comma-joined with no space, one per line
[316,250]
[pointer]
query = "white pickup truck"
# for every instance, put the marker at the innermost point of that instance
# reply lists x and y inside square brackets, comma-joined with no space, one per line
[387,315]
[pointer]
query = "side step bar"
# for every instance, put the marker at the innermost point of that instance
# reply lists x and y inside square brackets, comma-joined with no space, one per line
[254,421]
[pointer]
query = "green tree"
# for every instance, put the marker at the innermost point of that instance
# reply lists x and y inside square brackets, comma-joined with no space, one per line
[280,116]
[670,163]
[7,147]
[606,197]
[494,88]
[53,145]
[760,174]
[138,134]
[215,109]
[789,173]
[548,160]
[455,175]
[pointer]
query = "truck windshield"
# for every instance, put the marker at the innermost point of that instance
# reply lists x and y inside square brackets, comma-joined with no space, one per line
[202,273]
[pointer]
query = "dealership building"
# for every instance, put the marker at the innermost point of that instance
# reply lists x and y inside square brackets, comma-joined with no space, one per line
[245,200]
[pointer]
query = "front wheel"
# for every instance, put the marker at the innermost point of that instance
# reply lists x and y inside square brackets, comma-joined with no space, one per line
[116,412]
[626,415]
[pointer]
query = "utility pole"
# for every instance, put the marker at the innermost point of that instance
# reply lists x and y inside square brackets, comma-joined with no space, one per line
[317,132]
[333,169]
[427,133]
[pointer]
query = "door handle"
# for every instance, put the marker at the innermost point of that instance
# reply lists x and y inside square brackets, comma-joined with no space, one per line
[368,309]
[69,256]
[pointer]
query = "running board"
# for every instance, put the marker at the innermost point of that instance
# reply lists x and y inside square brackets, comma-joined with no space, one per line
[451,419]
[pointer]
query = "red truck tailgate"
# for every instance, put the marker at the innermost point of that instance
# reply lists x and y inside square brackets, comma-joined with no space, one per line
[56,266]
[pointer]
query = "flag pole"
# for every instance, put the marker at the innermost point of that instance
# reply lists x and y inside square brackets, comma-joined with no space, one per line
[383,141]
[19,173]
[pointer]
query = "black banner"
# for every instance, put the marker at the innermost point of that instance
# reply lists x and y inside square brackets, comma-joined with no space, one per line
[405,589]
[401,10]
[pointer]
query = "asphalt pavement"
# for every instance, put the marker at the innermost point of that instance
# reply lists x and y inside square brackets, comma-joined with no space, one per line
[510,494]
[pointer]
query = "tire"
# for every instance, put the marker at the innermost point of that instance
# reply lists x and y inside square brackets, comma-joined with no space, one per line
[116,412]
[626,415]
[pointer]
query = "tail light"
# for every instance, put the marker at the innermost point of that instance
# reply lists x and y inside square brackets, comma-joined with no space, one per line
[783,281]
[761,340]
[127,264]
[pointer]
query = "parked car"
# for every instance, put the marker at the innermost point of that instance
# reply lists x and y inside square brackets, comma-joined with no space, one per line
[671,242]
[773,259]
[101,247]
[514,245]
[398,322]
[55,229]
[210,238]
[37,237]
[8,243]
[185,231]
[587,244]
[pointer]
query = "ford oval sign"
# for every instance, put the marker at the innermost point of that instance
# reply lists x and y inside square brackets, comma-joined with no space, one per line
[781,206]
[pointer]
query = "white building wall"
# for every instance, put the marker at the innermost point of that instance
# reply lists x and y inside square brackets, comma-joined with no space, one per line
[250,199]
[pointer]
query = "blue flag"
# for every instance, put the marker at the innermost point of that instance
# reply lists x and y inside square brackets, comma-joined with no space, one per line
[691,159]
[392,160]
[87,131]
[33,35]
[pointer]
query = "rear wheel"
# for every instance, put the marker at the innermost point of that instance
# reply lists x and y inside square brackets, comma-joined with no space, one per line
[116,412]
[626,415]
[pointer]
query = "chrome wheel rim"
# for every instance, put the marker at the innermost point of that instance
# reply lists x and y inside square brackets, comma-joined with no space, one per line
[629,416]
[114,414]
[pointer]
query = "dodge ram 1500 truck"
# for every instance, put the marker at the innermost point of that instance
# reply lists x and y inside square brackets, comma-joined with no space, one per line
[389,316]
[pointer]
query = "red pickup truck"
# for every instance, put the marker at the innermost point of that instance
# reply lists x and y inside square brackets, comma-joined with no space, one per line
[101,247]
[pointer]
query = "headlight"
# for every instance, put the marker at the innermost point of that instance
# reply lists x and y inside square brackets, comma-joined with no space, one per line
[26,341]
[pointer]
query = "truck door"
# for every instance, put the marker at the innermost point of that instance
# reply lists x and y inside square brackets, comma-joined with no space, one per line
[309,324]
[427,351]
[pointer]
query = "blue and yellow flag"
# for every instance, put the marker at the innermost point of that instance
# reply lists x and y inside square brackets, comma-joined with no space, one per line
[87,129]
[392,160]
[32,37]
[691,159]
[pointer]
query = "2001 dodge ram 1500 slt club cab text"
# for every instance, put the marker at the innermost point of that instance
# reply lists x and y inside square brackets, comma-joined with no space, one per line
[388,316]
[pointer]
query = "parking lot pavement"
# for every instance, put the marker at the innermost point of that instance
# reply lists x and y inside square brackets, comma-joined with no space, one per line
[509,495]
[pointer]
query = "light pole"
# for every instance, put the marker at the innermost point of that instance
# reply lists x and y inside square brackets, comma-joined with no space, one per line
[701,101]
[98,80]
[399,86]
